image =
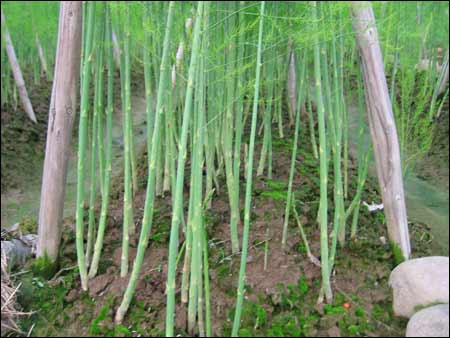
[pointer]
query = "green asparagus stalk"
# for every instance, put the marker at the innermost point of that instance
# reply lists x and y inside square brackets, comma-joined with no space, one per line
[248,188]
[82,139]
[150,193]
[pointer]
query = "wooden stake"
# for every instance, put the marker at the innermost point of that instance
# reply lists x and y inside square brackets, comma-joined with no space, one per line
[60,122]
[382,125]
[41,55]
[15,67]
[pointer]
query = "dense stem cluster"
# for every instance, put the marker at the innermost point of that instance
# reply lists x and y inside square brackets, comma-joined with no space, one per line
[224,84]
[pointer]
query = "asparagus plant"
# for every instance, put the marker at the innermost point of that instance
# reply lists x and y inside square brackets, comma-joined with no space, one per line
[248,187]
[82,140]
[300,94]
[150,193]
[323,216]
[108,155]
[178,193]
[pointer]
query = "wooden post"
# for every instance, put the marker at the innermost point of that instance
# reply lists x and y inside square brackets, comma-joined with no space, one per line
[382,125]
[444,77]
[18,77]
[41,55]
[292,83]
[60,122]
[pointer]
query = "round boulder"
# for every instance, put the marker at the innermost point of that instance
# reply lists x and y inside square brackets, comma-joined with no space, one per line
[429,322]
[418,283]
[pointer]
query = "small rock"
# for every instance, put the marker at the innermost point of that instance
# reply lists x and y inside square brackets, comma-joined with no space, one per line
[429,322]
[419,282]
[16,252]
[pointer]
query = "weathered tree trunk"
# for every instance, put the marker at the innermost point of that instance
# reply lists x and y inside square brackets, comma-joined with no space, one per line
[60,122]
[382,125]
[41,55]
[18,77]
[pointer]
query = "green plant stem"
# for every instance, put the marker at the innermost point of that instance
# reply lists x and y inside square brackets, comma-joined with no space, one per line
[294,150]
[150,193]
[108,163]
[248,189]
[178,193]
[323,216]
[82,139]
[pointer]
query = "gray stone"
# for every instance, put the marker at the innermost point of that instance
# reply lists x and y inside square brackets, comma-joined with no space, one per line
[418,283]
[429,322]
[16,252]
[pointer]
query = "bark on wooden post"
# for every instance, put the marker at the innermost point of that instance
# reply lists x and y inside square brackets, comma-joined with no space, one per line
[382,126]
[292,82]
[60,122]
[444,78]
[17,73]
